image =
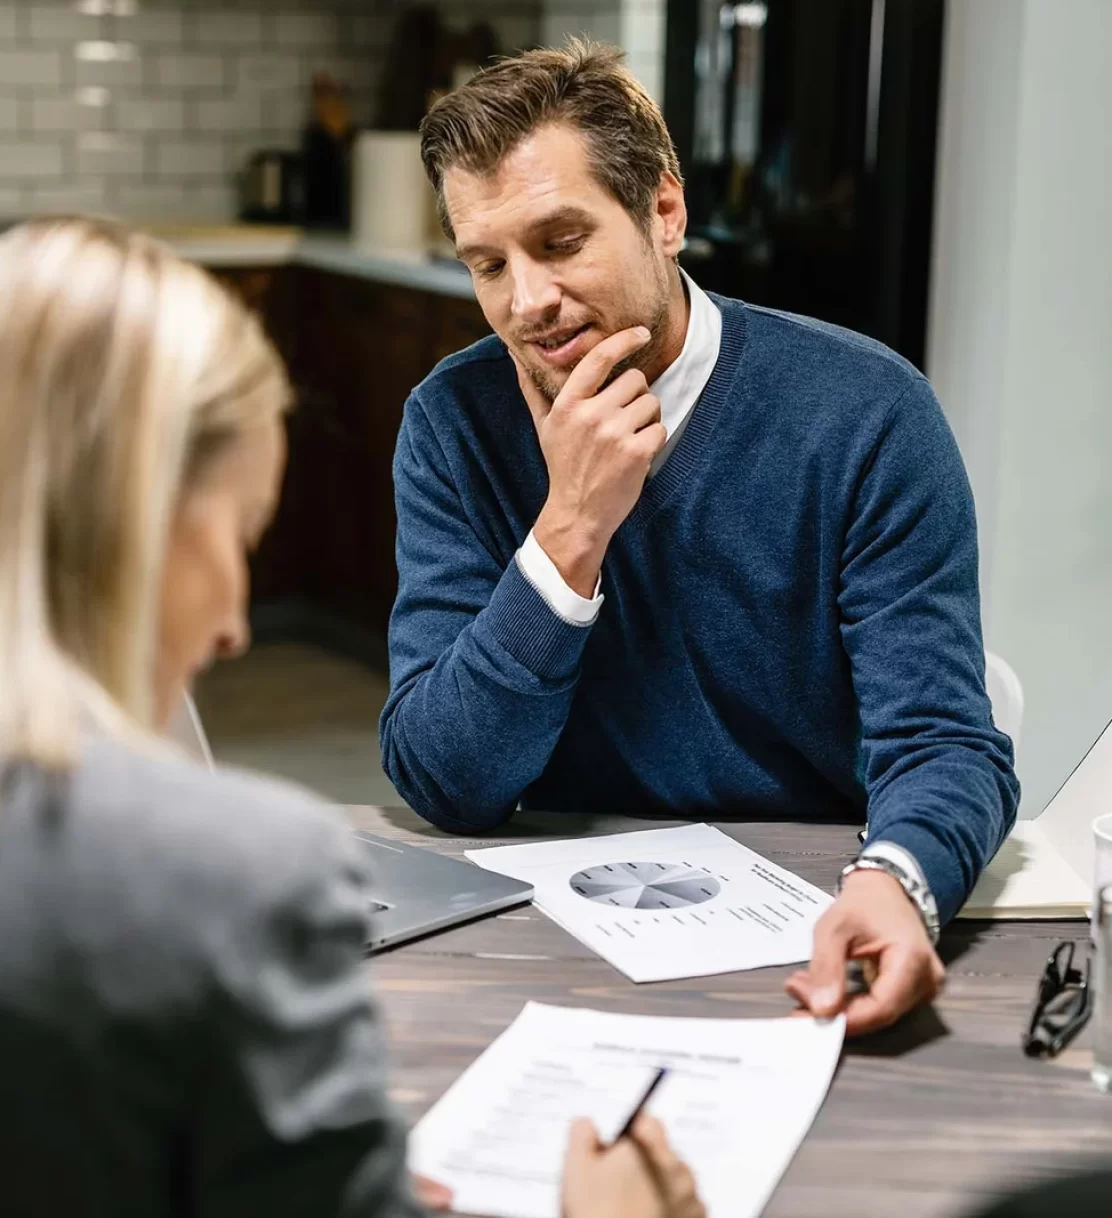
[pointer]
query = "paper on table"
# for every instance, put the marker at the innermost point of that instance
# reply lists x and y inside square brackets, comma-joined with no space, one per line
[666,903]
[1028,879]
[739,1098]
[1046,867]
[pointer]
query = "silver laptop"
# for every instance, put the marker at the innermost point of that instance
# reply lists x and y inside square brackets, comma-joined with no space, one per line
[416,891]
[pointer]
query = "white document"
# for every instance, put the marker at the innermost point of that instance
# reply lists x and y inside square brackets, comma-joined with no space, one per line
[738,1100]
[667,903]
[1046,867]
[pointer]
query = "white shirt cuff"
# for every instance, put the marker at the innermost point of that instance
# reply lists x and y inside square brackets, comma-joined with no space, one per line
[899,856]
[565,602]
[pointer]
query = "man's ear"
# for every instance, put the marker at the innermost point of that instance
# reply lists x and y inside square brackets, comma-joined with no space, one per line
[670,219]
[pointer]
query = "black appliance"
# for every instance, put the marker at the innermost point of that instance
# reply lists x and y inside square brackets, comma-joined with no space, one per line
[807,133]
[272,188]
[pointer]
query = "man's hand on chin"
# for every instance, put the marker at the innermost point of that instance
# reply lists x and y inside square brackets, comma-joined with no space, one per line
[874,922]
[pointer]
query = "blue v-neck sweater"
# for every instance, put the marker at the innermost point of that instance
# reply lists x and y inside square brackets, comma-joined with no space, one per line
[791,629]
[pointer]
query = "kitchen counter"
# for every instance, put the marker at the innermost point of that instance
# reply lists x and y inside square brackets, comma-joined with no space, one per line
[260,246]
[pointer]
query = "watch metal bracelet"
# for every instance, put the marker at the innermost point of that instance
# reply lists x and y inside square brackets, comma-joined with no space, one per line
[915,891]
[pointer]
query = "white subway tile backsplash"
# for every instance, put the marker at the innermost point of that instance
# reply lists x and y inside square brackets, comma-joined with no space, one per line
[238,149]
[244,112]
[189,158]
[144,202]
[228,29]
[306,29]
[208,81]
[27,159]
[190,70]
[284,111]
[65,113]
[88,197]
[29,67]
[150,114]
[110,74]
[102,153]
[59,23]
[368,31]
[365,106]
[163,26]
[269,72]
[212,203]
[351,72]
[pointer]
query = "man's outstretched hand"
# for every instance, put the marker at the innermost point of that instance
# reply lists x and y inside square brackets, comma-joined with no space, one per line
[874,922]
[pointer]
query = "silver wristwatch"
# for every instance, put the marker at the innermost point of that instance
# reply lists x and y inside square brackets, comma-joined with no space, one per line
[917,893]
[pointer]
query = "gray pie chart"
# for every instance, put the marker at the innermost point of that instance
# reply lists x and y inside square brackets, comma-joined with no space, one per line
[645,885]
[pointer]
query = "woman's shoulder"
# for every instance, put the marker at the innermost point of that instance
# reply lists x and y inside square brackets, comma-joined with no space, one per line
[203,845]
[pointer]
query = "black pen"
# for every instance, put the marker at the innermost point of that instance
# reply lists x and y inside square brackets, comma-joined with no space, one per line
[657,1079]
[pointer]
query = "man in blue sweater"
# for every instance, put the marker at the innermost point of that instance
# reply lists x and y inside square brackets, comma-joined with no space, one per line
[665,552]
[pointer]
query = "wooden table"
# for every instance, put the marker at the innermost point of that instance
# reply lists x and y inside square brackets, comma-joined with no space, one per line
[927,1120]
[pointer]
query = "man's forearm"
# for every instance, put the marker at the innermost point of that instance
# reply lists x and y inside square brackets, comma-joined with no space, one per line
[463,739]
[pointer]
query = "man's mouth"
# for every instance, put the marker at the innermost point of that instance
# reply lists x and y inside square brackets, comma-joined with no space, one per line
[562,346]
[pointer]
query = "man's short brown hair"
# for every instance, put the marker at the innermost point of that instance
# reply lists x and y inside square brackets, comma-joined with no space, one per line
[584,86]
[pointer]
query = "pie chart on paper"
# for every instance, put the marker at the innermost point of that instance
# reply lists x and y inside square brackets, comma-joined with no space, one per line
[645,885]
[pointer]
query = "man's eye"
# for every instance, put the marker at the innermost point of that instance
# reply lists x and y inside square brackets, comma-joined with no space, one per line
[489,270]
[567,246]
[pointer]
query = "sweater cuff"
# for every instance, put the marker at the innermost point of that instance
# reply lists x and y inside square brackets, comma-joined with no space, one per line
[523,624]
[545,576]
[939,868]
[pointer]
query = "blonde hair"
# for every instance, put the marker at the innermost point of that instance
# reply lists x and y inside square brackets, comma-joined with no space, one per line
[122,370]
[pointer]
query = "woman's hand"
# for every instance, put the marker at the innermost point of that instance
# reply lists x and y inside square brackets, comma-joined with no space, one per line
[430,1195]
[638,1177]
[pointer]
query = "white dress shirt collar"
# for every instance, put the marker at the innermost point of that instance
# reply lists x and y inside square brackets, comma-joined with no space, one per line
[680,384]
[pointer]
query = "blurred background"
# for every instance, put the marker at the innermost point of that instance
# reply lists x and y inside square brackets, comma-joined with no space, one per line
[936,173]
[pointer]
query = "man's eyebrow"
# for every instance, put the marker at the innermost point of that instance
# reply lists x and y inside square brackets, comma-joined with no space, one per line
[562,215]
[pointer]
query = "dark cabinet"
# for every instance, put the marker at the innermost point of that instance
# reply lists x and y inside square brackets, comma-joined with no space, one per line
[276,568]
[355,350]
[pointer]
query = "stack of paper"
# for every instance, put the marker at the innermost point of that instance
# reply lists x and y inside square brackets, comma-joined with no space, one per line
[1046,867]
[669,903]
[1028,879]
[739,1098]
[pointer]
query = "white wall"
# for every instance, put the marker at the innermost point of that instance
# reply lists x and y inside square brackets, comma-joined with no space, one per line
[1020,347]
[597,19]
[637,26]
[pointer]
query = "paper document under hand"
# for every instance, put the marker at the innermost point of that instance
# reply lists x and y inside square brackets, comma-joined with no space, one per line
[667,903]
[739,1098]
[1046,867]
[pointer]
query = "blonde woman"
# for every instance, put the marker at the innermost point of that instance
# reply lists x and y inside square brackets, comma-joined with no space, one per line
[184,1023]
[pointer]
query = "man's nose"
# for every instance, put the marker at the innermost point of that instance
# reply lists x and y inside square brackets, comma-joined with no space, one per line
[536,293]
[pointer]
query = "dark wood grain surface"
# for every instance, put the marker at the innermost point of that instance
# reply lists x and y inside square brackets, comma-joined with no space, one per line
[927,1120]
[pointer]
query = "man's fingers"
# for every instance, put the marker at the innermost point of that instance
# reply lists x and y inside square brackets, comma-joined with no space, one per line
[538,404]
[903,981]
[643,412]
[624,390]
[590,374]
[826,977]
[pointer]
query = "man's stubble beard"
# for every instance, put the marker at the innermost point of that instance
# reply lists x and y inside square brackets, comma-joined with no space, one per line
[644,358]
